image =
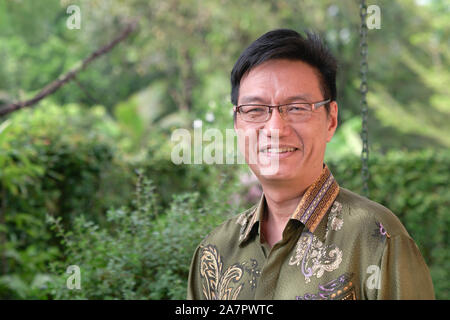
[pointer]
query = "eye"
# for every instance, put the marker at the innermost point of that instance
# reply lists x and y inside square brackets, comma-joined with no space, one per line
[253,109]
[297,108]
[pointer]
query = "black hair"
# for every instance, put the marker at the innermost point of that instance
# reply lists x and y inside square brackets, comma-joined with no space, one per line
[288,44]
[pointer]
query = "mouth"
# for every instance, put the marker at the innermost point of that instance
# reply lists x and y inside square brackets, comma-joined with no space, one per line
[280,150]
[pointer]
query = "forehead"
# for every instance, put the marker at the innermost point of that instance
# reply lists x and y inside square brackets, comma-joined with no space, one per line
[275,80]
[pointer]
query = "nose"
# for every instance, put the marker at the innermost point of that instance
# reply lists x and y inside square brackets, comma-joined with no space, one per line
[276,123]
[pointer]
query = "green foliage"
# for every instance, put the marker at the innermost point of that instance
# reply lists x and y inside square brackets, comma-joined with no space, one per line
[54,160]
[69,149]
[187,48]
[346,141]
[140,254]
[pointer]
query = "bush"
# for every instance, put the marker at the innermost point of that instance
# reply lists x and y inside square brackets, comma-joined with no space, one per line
[140,254]
[54,160]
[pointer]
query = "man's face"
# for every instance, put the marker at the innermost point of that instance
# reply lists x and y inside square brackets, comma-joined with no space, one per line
[277,82]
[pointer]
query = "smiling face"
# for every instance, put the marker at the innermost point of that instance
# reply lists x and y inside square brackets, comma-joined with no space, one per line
[301,144]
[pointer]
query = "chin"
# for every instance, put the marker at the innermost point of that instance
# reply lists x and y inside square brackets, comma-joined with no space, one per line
[274,175]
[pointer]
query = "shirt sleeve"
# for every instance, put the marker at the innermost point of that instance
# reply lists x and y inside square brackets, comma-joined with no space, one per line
[194,288]
[404,274]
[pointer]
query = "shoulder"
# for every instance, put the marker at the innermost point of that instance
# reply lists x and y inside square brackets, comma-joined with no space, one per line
[366,215]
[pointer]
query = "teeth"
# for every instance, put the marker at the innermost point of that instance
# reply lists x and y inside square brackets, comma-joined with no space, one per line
[280,150]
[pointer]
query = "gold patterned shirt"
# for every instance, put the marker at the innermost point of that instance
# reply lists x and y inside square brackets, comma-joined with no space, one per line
[336,245]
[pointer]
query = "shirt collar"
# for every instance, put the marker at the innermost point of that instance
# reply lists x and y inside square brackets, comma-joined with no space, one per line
[311,209]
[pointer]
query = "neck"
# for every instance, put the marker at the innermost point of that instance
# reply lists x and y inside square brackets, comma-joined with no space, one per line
[281,203]
[282,198]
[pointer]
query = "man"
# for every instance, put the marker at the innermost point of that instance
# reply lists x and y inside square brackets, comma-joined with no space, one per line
[307,238]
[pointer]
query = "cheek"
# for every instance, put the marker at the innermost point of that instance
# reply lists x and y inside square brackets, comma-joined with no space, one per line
[247,141]
[312,140]
[302,136]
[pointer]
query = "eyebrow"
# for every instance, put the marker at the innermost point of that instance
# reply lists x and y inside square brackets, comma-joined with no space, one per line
[252,99]
[304,97]
[257,99]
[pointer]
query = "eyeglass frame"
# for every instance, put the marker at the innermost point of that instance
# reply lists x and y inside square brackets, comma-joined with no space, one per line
[314,106]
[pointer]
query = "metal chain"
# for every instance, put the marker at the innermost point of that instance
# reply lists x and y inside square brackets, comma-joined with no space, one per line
[363,89]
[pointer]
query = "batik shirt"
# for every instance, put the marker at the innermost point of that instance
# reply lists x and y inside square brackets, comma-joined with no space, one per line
[336,245]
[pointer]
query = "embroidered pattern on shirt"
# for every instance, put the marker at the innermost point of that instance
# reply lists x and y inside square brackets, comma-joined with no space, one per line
[253,271]
[335,220]
[314,257]
[244,221]
[317,200]
[380,232]
[224,285]
[218,284]
[338,289]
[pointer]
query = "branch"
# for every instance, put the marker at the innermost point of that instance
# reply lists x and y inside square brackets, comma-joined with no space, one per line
[85,91]
[63,79]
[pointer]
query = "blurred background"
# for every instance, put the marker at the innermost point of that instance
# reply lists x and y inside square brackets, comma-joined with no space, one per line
[86,176]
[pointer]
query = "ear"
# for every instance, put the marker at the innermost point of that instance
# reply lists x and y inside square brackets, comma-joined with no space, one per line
[332,120]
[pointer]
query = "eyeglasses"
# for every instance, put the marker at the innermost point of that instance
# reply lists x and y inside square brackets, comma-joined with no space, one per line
[293,112]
